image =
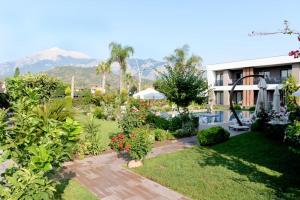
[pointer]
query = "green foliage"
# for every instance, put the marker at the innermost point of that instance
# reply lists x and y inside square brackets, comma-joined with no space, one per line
[4,100]
[213,135]
[237,107]
[182,82]
[188,129]
[157,121]
[17,72]
[40,84]
[289,87]
[92,142]
[118,142]
[261,122]
[252,109]
[68,91]
[99,113]
[132,119]
[292,134]
[24,184]
[39,139]
[139,145]
[119,53]
[160,134]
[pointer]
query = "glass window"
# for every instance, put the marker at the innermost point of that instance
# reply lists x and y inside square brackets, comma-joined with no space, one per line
[266,74]
[219,97]
[285,73]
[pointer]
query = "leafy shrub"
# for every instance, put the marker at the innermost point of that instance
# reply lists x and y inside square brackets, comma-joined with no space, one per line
[138,146]
[213,135]
[252,109]
[92,142]
[38,142]
[41,84]
[118,142]
[261,123]
[146,132]
[160,134]
[132,119]
[99,112]
[292,134]
[25,184]
[237,107]
[188,129]
[295,115]
[157,122]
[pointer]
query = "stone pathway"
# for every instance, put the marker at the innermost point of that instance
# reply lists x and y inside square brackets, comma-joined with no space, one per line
[106,178]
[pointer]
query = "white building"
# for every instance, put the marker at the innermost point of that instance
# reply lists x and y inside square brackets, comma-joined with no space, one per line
[275,69]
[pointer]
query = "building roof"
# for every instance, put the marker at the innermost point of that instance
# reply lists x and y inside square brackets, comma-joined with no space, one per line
[270,61]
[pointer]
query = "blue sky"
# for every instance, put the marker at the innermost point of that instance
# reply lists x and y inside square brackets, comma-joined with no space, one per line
[215,30]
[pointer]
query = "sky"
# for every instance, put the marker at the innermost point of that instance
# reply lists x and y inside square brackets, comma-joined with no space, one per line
[215,30]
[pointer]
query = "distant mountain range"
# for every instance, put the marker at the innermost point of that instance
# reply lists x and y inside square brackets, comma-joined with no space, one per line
[55,61]
[86,76]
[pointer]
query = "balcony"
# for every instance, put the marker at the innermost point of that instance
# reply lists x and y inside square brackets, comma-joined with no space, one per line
[219,83]
[234,80]
[271,80]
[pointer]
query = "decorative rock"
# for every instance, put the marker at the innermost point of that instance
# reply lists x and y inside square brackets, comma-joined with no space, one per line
[135,163]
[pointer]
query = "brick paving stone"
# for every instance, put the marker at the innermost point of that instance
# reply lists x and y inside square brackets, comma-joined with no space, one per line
[105,176]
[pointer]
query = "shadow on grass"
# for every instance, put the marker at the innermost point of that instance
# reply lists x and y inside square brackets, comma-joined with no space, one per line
[64,179]
[260,160]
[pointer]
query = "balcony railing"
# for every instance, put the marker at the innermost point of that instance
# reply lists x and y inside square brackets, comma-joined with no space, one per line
[271,80]
[219,83]
[234,80]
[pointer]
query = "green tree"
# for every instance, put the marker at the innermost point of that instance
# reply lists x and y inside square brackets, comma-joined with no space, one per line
[17,72]
[289,87]
[119,54]
[129,80]
[181,81]
[103,68]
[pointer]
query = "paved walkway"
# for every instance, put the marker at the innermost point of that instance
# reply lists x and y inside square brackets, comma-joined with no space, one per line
[106,178]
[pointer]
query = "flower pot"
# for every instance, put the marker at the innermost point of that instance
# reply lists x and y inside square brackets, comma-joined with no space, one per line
[135,163]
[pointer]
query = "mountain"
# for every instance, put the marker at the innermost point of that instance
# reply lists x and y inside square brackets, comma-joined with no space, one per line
[86,76]
[50,58]
[45,60]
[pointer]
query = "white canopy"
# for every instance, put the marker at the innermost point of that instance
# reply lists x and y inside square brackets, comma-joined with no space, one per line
[276,100]
[261,97]
[149,94]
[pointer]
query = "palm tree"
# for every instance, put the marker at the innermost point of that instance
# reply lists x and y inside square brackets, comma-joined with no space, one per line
[180,58]
[128,80]
[103,68]
[119,53]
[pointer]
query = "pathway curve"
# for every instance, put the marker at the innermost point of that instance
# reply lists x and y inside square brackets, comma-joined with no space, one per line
[106,178]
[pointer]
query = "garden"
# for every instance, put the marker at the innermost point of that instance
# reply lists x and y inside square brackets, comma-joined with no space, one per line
[42,127]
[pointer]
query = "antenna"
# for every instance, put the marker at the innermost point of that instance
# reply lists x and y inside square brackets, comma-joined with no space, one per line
[286,31]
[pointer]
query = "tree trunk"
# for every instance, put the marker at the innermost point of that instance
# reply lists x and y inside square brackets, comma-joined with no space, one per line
[103,81]
[121,81]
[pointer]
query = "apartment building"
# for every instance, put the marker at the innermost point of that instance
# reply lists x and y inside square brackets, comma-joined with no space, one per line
[275,70]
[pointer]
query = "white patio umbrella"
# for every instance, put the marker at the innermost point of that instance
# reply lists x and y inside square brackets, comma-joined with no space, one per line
[261,101]
[297,93]
[276,100]
[149,94]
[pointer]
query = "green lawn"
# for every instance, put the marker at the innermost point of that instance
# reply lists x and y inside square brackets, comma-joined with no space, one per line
[249,166]
[74,191]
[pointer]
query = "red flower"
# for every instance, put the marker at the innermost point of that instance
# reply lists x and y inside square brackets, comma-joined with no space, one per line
[127,148]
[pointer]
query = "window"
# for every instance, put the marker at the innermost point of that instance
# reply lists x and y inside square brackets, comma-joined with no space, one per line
[219,98]
[238,97]
[219,78]
[266,74]
[285,73]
